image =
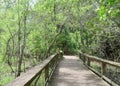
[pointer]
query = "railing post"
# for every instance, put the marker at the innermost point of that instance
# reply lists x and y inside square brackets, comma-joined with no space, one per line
[46,74]
[103,68]
[88,62]
[61,54]
[84,59]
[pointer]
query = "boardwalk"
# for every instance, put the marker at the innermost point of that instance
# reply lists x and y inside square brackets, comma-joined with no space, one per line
[72,72]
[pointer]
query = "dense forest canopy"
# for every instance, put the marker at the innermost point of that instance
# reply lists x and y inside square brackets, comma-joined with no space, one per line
[31,30]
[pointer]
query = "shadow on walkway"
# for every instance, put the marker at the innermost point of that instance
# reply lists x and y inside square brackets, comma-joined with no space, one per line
[72,72]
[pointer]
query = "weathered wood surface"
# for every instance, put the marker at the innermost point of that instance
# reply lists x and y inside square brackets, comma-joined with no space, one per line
[116,64]
[72,72]
[88,59]
[30,75]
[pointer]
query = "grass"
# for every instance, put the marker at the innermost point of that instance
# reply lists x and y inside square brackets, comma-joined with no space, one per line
[96,66]
[7,78]
[5,72]
[5,75]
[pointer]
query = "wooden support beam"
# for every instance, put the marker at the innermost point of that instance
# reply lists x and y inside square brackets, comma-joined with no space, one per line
[88,62]
[103,68]
[85,57]
[28,78]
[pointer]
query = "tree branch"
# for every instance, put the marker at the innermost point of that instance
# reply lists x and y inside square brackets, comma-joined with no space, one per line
[53,41]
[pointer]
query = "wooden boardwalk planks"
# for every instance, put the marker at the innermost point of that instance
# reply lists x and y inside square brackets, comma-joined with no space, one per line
[72,72]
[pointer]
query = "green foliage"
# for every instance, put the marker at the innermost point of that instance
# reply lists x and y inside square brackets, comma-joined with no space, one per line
[66,42]
[109,8]
[6,80]
[1,58]
[82,30]
[109,45]
[5,76]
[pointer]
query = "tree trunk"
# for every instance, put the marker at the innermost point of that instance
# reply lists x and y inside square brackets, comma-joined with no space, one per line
[21,48]
[53,41]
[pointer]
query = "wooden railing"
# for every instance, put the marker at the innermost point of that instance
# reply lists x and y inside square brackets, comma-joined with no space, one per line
[40,74]
[104,66]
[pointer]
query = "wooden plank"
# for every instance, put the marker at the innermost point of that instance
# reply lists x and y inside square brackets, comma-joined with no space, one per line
[103,77]
[116,64]
[31,74]
[103,66]
[72,72]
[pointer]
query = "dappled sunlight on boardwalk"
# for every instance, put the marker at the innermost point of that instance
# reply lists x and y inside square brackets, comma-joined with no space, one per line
[72,72]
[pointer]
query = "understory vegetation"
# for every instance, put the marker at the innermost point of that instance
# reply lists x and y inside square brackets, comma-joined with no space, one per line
[32,30]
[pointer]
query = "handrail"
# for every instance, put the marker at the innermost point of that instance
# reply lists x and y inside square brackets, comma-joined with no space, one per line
[101,60]
[87,59]
[32,76]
